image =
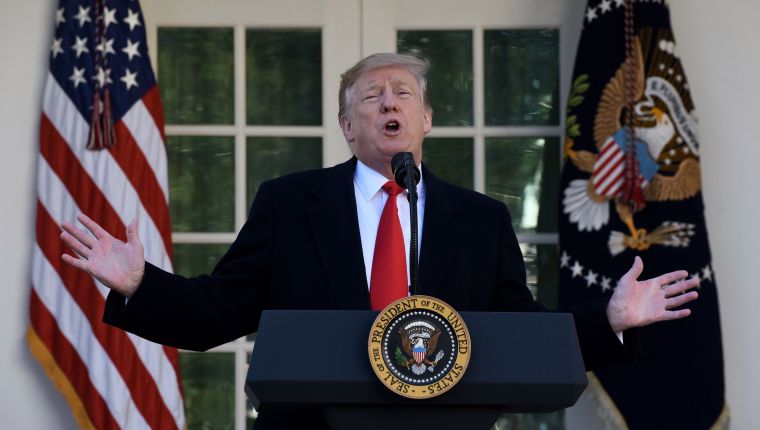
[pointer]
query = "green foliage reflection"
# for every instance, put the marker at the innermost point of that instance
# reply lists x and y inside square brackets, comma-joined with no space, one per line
[195,75]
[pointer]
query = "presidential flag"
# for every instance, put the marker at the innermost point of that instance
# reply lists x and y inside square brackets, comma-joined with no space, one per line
[631,186]
[101,153]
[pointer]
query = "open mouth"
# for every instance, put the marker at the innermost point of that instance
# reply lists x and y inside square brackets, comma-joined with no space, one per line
[392,126]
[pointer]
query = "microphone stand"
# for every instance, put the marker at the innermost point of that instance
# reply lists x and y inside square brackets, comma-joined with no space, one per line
[407,175]
[411,186]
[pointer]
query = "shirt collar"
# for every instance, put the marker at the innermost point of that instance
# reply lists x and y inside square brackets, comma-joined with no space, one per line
[369,181]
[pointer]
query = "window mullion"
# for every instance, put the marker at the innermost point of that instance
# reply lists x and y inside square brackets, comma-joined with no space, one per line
[241,368]
[538,238]
[240,207]
[202,237]
[240,156]
[479,146]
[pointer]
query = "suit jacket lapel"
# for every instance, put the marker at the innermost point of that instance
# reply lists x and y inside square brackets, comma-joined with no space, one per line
[336,233]
[442,232]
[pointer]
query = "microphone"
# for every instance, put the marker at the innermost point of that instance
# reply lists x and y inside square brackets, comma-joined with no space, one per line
[403,164]
[407,175]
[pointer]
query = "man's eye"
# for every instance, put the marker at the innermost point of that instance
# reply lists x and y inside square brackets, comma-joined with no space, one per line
[370,97]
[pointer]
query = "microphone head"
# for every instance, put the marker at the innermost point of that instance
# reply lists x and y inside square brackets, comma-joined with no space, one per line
[401,163]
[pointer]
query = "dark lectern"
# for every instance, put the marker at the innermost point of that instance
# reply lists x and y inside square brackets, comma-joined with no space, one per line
[520,362]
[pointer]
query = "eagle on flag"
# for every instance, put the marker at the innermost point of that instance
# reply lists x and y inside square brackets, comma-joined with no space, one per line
[668,164]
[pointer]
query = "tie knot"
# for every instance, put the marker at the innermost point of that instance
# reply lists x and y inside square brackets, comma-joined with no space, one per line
[392,188]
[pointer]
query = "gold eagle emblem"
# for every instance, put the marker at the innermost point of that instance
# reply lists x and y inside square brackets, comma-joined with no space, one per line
[666,149]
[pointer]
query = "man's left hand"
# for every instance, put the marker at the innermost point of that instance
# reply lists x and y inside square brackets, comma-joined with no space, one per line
[639,303]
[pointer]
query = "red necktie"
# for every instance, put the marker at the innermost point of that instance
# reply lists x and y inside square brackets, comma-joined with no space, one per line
[388,281]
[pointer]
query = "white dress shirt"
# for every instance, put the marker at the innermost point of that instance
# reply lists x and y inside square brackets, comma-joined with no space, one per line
[370,201]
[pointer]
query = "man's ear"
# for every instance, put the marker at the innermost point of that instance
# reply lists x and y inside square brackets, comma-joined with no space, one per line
[345,125]
[427,119]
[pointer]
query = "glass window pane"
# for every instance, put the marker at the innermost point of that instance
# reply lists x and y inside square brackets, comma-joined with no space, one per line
[524,174]
[196,75]
[550,421]
[270,157]
[283,72]
[450,159]
[250,412]
[542,270]
[521,77]
[450,76]
[208,380]
[197,259]
[202,183]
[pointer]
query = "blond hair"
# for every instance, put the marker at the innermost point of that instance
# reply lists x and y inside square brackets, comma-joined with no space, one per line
[417,66]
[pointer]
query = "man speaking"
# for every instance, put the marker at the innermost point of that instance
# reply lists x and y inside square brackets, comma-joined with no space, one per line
[338,238]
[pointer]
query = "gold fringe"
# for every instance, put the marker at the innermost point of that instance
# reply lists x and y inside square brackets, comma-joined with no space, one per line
[605,407]
[614,420]
[724,419]
[61,382]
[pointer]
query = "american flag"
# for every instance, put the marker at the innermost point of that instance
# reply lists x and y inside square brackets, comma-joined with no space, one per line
[114,171]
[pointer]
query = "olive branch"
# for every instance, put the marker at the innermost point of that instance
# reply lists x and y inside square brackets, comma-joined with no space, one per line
[579,88]
[401,358]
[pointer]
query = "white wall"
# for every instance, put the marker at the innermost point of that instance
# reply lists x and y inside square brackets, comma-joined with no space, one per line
[27,399]
[718,44]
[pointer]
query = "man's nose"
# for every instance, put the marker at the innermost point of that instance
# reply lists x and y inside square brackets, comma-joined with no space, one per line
[389,102]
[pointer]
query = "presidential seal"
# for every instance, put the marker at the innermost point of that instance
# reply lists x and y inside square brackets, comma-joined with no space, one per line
[419,347]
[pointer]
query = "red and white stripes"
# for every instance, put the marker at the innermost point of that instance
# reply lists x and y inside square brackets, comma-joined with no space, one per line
[121,380]
[609,170]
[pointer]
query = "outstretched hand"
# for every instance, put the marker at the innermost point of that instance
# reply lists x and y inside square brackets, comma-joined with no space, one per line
[118,265]
[639,303]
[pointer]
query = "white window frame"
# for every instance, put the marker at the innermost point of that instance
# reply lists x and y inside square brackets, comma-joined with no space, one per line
[352,29]
[381,19]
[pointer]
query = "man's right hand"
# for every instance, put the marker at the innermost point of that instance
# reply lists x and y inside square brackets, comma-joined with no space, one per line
[118,265]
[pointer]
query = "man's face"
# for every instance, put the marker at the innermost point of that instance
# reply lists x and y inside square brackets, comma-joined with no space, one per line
[386,116]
